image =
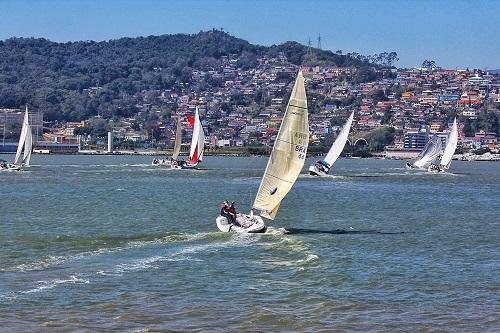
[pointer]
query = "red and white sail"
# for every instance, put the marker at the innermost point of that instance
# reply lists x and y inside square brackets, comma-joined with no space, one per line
[198,140]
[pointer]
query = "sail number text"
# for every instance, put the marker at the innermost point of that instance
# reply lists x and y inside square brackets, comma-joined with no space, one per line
[302,151]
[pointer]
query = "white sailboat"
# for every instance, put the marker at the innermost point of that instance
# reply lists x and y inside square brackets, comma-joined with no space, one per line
[197,142]
[322,167]
[25,146]
[449,150]
[283,167]
[427,156]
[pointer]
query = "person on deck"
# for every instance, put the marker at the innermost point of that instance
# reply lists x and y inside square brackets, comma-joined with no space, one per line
[232,210]
[223,210]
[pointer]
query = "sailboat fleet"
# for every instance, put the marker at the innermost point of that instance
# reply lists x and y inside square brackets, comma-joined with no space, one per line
[283,167]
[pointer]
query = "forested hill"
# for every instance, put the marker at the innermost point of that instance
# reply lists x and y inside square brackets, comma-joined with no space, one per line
[55,77]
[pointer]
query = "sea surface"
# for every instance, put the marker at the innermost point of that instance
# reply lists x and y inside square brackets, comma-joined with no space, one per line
[113,244]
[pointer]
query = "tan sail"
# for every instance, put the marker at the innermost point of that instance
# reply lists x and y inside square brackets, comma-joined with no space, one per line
[288,154]
[178,140]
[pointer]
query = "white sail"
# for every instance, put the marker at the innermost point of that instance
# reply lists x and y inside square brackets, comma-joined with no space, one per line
[430,152]
[339,143]
[25,141]
[288,154]
[451,145]
[178,140]
[28,147]
[198,140]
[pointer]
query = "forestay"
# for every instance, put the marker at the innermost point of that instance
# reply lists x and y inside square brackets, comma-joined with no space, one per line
[288,154]
[339,143]
[451,145]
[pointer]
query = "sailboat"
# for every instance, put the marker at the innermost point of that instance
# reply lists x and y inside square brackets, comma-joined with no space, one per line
[197,142]
[449,150]
[24,147]
[427,156]
[283,167]
[322,167]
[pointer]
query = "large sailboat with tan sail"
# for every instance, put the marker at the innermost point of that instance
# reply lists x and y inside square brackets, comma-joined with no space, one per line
[283,167]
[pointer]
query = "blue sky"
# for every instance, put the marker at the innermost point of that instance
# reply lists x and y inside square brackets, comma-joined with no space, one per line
[454,33]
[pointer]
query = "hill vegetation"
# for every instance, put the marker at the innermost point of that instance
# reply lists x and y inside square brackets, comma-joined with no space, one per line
[78,80]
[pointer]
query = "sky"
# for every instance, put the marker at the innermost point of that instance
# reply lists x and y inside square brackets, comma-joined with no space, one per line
[453,33]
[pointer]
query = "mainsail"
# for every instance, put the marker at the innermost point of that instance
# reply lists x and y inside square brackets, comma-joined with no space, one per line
[339,143]
[451,145]
[288,154]
[178,140]
[25,142]
[198,140]
[429,153]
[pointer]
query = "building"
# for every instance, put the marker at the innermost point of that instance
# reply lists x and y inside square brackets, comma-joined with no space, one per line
[416,139]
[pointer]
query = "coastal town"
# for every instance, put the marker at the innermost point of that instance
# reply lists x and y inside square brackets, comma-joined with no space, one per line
[243,107]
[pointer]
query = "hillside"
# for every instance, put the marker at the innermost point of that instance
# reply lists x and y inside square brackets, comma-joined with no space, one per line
[77,80]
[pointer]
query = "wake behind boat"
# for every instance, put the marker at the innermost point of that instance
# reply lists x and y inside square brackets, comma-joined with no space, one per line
[283,167]
[322,167]
[449,150]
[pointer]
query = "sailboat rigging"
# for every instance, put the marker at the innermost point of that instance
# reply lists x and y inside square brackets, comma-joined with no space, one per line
[427,156]
[283,167]
[449,150]
[322,167]
[24,147]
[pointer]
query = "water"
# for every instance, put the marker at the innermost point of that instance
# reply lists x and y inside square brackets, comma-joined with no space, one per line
[109,243]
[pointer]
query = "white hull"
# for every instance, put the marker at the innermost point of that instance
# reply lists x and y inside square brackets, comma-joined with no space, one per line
[435,168]
[162,162]
[315,170]
[11,167]
[248,224]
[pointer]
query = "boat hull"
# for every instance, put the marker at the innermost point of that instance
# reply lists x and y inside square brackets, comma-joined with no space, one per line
[12,167]
[161,163]
[435,169]
[248,224]
[317,170]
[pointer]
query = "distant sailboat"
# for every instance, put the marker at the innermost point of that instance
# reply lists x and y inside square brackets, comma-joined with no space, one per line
[322,167]
[177,148]
[430,152]
[449,150]
[197,142]
[25,146]
[283,167]
[178,140]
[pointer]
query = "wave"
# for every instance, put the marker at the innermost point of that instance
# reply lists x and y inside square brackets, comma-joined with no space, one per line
[132,242]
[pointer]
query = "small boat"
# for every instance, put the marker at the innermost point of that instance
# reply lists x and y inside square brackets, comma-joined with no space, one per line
[283,167]
[449,150]
[322,167]
[25,147]
[430,153]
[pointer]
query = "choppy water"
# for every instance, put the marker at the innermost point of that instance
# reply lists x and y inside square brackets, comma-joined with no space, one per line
[109,243]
